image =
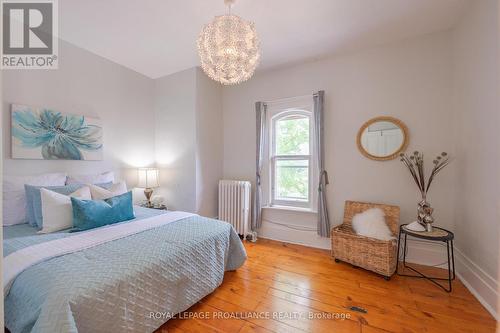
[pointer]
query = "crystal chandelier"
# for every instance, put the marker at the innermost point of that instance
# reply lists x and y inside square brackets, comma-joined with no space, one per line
[229,48]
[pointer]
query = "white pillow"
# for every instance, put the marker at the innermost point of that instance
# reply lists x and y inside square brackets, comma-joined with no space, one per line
[57,210]
[99,193]
[371,223]
[14,197]
[106,177]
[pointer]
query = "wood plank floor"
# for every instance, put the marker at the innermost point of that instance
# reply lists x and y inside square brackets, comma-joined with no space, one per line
[281,286]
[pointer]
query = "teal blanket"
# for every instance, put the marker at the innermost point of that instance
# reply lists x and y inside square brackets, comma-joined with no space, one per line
[131,284]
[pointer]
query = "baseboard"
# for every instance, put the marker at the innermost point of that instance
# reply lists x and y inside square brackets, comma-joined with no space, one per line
[483,286]
[296,243]
[299,237]
[426,253]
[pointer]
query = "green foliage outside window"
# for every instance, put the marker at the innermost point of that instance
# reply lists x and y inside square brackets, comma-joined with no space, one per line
[292,176]
[292,136]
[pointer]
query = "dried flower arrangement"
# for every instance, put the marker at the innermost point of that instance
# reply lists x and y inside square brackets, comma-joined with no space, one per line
[415,164]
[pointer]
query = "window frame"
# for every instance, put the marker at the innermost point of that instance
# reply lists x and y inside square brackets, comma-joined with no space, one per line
[281,114]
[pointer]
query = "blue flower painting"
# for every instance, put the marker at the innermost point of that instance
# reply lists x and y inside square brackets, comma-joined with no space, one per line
[51,135]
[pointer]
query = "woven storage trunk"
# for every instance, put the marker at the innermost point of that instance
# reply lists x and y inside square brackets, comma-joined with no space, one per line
[369,253]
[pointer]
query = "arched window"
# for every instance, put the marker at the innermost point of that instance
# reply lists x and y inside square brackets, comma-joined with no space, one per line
[291,150]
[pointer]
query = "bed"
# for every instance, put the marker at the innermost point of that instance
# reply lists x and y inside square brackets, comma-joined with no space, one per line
[112,279]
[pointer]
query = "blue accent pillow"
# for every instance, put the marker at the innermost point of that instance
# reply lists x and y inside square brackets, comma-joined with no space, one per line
[34,199]
[90,214]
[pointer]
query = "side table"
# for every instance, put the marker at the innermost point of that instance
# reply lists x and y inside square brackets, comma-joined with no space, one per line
[437,235]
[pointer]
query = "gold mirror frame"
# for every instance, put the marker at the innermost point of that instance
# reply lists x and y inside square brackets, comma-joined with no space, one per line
[395,121]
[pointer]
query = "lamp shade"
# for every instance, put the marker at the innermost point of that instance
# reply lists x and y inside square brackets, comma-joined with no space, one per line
[148,178]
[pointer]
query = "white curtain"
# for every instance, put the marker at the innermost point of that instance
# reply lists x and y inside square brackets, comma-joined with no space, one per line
[261,111]
[323,219]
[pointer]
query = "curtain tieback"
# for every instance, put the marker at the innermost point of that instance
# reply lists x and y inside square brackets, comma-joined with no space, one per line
[323,176]
[258,178]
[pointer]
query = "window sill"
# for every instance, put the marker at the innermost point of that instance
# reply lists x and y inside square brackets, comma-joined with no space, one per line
[291,209]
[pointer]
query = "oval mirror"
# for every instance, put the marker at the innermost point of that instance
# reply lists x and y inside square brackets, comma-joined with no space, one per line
[382,138]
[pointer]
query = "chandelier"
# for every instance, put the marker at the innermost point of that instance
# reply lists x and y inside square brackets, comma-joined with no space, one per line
[229,48]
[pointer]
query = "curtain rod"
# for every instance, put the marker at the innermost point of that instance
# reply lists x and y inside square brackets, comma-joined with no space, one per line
[290,98]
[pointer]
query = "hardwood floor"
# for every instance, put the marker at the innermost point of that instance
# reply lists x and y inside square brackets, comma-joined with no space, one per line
[290,283]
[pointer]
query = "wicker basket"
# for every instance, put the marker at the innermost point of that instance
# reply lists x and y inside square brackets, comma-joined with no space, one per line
[372,254]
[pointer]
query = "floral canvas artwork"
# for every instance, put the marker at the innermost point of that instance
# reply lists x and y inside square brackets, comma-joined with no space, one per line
[42,133]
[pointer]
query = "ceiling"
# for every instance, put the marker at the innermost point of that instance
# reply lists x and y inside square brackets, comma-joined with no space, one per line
[158,37]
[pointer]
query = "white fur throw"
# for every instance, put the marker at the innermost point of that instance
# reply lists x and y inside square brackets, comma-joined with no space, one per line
[371,223]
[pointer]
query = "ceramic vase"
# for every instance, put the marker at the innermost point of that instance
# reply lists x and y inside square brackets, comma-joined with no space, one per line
[424,214]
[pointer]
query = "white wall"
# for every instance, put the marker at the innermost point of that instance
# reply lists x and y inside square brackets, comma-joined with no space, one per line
[175,130]
[410,80]
[189,140]
[90,85]
[209,143]
[477,214]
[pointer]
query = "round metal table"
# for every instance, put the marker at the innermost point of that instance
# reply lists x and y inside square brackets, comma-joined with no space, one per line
[437,235]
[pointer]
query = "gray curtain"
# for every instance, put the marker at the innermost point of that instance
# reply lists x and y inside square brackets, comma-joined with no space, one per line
[261,110]
[323,219]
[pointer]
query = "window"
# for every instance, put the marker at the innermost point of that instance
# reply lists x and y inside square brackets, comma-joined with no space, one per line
[291,160]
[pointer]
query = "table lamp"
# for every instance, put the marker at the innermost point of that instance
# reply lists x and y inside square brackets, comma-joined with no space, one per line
[148,179]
